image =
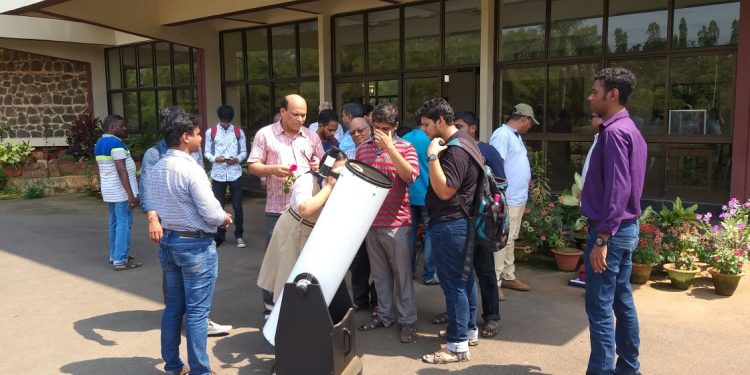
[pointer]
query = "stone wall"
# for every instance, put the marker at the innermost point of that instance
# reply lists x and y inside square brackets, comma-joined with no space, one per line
[40,94]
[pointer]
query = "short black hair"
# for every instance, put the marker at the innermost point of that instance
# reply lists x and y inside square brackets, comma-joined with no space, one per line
[385,113]
[354,109]
[327,115]
[369,108]
[468,116]
[110,121]
[177,124]
[225,113]
[617,78]
[435,108]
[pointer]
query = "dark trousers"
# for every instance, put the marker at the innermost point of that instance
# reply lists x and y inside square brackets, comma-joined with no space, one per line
[484,265]
[363,292]
[220,192]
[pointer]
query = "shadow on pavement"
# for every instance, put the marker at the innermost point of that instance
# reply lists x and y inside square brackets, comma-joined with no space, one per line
[248,350]
[121,321]
[120,366]
[486,369]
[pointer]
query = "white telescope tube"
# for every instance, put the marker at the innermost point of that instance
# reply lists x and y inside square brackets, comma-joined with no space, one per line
[354,202]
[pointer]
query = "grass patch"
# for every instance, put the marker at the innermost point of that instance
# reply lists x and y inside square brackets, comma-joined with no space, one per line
[8,194]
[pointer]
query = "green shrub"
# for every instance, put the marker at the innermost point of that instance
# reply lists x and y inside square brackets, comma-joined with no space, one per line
[34,191]
[3,179]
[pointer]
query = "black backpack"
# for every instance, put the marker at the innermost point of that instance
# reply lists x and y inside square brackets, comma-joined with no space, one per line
[486,227]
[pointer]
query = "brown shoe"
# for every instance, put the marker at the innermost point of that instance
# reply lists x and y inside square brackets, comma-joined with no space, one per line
[515,284]
[500,294]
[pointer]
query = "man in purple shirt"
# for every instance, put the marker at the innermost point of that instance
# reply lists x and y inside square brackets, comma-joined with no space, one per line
[611,199]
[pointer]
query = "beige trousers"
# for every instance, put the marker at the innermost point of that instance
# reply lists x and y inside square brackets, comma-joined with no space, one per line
[504,259]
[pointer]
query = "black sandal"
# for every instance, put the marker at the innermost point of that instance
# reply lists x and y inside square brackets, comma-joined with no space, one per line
[375,323]
[491,328]
[440,318]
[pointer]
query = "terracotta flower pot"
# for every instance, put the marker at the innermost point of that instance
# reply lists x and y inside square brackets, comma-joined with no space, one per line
[680,279]
[641,273]
[724,285]
[567,260]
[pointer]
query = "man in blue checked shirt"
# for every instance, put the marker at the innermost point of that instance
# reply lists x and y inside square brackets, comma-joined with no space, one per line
[226,148]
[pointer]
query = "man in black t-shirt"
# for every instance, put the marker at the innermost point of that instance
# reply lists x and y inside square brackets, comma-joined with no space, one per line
[453,180]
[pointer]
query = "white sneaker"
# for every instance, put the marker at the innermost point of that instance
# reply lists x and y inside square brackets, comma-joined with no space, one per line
[241,243]
[215,329]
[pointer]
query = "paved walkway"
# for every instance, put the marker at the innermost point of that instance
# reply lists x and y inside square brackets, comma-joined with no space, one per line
[64,310]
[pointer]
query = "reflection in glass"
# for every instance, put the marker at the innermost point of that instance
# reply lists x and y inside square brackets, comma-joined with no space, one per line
[146,65]
[259,113]
[148,111]
[565,159]
[576,28]
[130,111]
[113,68]
[698,172]
[383,31]
[416,92]
[704,23]
[381,92]
[654,185]
[257,53]
[637,26]
[196,68]
[232,56]
[311,92]
[116,105]
[524,85]
[280,90]
[568,111]
[163,63]
[349,92]
[182,65]
[702,87]
[284,51]
[187,99]
[422,35]
[308,49]
[522,35]
[129,68]
[164,98]
[236,98]
[647,106]
[350,44]
[462,21]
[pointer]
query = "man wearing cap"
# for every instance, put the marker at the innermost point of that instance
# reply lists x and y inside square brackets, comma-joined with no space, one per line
[507,140]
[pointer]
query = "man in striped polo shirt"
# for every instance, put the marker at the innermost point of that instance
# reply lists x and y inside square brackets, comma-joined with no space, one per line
[388,239]
[119,190]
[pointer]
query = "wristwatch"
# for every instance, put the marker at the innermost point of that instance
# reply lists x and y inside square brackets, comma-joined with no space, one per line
[432,157]
[600,241]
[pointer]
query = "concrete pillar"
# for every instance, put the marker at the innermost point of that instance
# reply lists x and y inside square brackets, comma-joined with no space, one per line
[487,70]
[324,58]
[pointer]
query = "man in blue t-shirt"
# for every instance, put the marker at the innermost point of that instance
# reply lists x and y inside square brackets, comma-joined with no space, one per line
[417,191]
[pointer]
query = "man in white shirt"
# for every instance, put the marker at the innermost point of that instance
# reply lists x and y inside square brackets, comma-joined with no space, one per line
[226,148]
[507,140]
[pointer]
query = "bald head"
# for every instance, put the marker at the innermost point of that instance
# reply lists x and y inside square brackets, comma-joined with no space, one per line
[293,113]
[360,130]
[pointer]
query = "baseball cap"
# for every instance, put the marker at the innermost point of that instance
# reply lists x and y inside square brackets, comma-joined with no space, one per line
[524,109]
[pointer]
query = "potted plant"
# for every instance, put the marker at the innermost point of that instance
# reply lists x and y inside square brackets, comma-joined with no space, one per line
[726,245]
[683,266]
[647,254]
[673,223]
[566,257]
[12,157]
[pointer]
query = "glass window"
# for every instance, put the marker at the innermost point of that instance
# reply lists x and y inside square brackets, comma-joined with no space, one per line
[116,104]
[236,97]
[524,85]
[422,35]
[311,92]
[654,183]
[350,44]
[280,90]
[232,43]
[383,40]
[568,110]
[113,68]
[284,50]
[187,99]
[257,53]
[637,26]
[575,28]
[259,110]
[182,65]
[416,92]
[565,159]
[698,172]
[146,65]
[163,64]
[148,111]
[349,92]
[130,111]
[522,33]
[129,68]
[701,95]
[308,49]
[462,35]
[196,53]
[647,106]
[705,23]
[381,92]
[164,98]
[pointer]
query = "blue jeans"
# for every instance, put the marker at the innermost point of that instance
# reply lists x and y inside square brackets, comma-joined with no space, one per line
[120,221]
[419,215]
[190,266]
[610,291]
[450,245]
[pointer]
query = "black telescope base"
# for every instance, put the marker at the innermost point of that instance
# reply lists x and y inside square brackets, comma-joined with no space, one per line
[314,339]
